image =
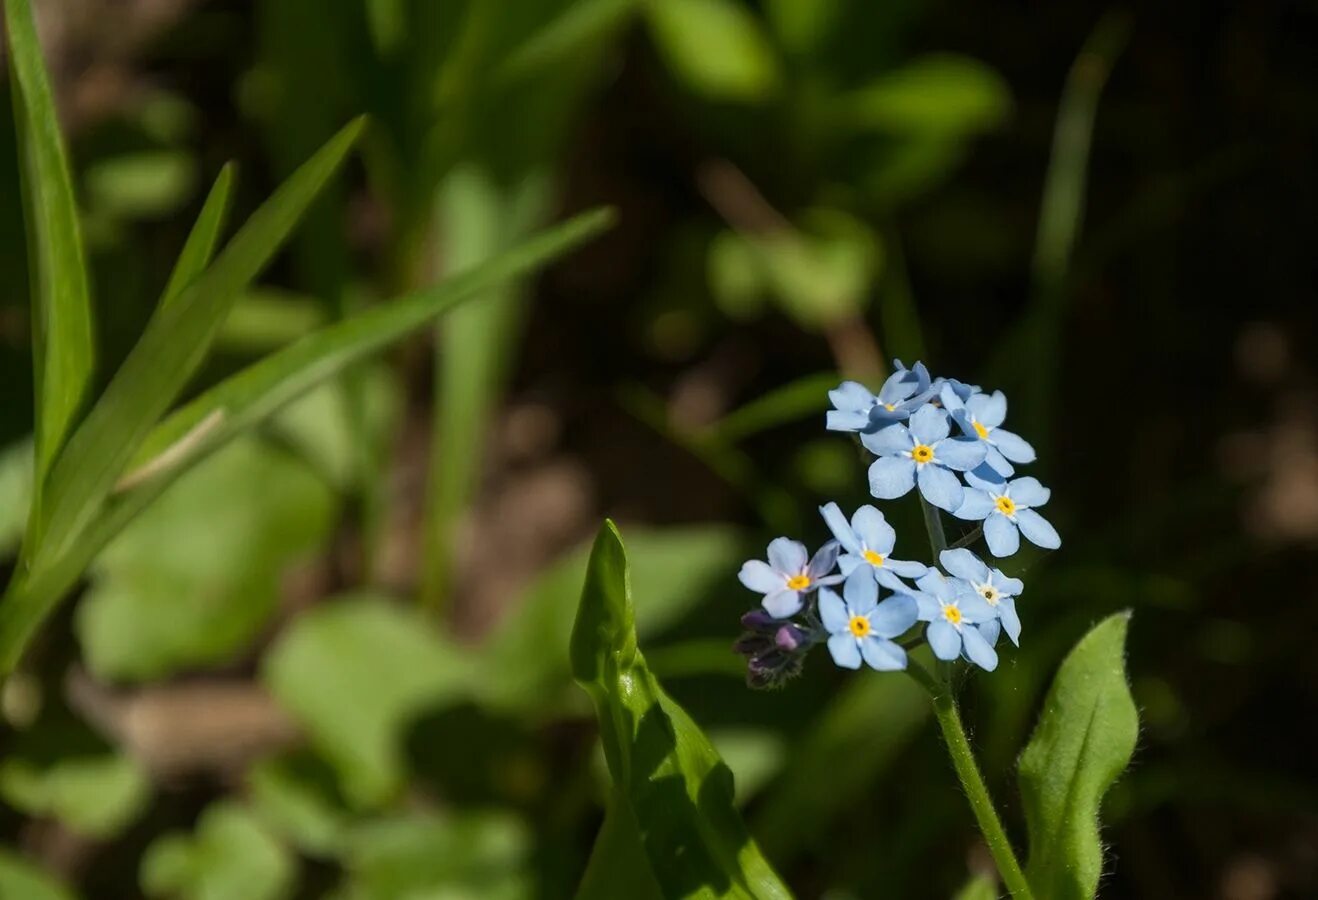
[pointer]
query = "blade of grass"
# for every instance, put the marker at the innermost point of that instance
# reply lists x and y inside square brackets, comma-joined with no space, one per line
[62,343]
[174,344]
[199,248]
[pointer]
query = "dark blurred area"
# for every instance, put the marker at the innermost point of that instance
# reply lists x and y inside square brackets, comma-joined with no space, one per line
[1108,213]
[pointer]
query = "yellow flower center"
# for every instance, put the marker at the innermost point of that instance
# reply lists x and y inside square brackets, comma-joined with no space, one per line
[874,559]
[859,626]
[1006,506]
[922,453]
[952,613]
[979,430]
[889,407]
[798,582]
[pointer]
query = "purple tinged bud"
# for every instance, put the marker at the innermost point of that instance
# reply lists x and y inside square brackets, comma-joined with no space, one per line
[789,638]
[759,620]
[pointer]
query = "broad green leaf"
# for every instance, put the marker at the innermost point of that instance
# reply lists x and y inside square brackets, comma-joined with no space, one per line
[618,858]
[292,797]
[19,878]
[174,344]
[142,185]
[94,796]
[354,673]
[940,93]
[230,856]
[63,348]
[979,887]
[716,47]
[1084,740]
[667,774]
[200,245]
[15,493]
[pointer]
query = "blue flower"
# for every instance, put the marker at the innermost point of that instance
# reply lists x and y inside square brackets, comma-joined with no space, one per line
[1007,510]
[953,609]
[959,389]
[922,452]
[998,591]
[862,627]
[787,577]
[980,416]
[868,540]
[857,409]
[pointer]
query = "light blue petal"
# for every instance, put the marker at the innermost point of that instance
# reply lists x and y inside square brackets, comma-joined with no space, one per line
[975,608]
[836,578]
[922,380]
[1012,445]
[890,441]
[906,568]
[1011,622]
[1001,535]
[926,606]
[1028,492]
[885,656]
[985,479]
[885,577]
[975,505]
[933,583]
[823,562]
[951,402]
[997,462]
[940,487]
[862,593]
[892,477]
[760,577]
[848,563]
[851,396]
[990,410]
[841,528]
[929,424]
[894,616]
[846,420]
[873,530]
[990,631]
[845,651]
[964,564]
[1007,586]
[1038,529]
[787,556]
[832,612]
[898,387]
[782,604]
[961,453]
[943,639]
[978,649]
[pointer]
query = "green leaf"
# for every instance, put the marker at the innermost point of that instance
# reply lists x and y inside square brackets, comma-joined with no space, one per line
[941,94]
[295,797]
[231,856]
[354,673]
[20,879]
[582,26]
[803,27]
[200,245]
[142,185]
[15,493]
[780,406]
[716,47]
[94,796]
[668,777]
[1084,740]
[979,887]
[63,348]
[174,344]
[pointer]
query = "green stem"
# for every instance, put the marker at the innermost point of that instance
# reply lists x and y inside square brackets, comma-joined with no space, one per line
[934,525]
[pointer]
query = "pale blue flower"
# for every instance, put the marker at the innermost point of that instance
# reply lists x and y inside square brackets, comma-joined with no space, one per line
[787,577]
[1007,511]
[868,540]
[922,453]
[998,590]
[959,389]
[862,627]
[980,416]
[953,609]
[857,409]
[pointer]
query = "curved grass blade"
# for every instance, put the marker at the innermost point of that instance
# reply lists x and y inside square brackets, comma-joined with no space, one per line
[199,248]
[668,778]
[63,352]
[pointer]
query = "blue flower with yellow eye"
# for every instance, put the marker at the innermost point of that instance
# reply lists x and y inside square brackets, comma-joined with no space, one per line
[1007,511]
[855,408]
[953,610]
[788,575]
[980,416]
[922,453]
[998,590]
[860,627]
[868,540]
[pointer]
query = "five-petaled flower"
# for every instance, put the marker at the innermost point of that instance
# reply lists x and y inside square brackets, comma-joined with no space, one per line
[998,590]
[1007,511]
[922,453]
[860,627]
[953,609]
[787,577]
[857,409]
[868,540]
[980,416]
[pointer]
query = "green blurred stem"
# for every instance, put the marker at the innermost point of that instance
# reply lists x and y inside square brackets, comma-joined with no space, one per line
[934,525]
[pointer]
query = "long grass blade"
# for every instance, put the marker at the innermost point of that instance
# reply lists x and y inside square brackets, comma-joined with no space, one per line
[199,248]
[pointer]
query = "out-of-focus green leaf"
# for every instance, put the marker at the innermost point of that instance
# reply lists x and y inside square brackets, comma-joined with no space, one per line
[717,48]
[62,343]
[199,248]
[736,276]
[354,673]
[753,755]
[291,801]
[673,567]
[231,856]
[667,774]
[979,887]
[582,25]
[94,796]
[142,185]
[177,589]
[1083,742]
[802,27]
[174,344]
[21,880]
[15,493]
[779,406]
[910,165]
[264,320]
[618,858]
[939,93]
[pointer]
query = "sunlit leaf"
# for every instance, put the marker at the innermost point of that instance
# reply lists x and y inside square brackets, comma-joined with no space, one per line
[19,878]
[202,239]
[94,796]
[230,856]
[940,93]
[980,887]
[717,48]
[141,185]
